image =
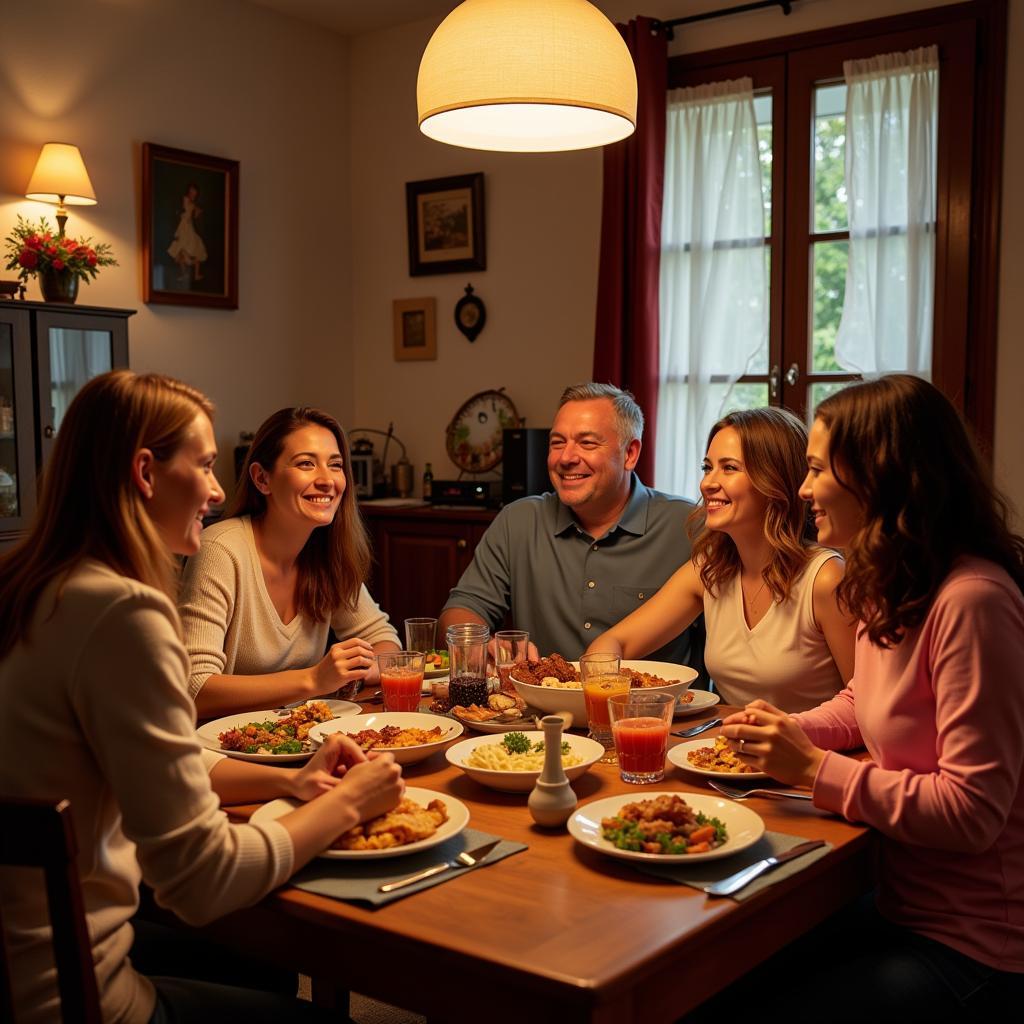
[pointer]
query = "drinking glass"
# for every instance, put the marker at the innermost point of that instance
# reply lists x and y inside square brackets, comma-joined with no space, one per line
[511,647]
[640,724]
[401,679]
[467,664]
[602,677]
[420,634]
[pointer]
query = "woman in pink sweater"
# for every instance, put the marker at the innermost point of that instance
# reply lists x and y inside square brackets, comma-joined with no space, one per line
[93,682]
[935,577]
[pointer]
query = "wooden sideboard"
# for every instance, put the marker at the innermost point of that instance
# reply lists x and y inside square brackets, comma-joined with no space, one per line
[419,555]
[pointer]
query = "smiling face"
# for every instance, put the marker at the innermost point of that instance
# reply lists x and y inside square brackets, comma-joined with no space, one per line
[731,501]
[184,487]
[307,481]
[589,466]
[837,512]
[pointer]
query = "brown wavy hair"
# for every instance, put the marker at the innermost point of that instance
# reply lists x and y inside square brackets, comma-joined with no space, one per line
[774,446]
[335,561]
[89,506]
[901,449]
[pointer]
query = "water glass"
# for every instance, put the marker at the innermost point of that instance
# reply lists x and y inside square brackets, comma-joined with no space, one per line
[602,678]
[640,725]
[401,679]
[511,648]
[420,635]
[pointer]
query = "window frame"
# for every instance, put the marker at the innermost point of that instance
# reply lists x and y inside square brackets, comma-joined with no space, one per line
[972,52]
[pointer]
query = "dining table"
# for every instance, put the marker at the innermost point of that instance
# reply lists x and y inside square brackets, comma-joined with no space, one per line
[559,931]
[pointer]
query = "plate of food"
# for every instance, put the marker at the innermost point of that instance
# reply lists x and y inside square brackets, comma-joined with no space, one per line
[422,819]
[713,758]
[666,828]
[499,713]
[435,664]
[513,764]
[553,684]
[412,736]
[693,701]
[272,737]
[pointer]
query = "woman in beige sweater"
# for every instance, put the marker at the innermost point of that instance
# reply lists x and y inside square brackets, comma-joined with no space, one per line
[93,682]
[287,563]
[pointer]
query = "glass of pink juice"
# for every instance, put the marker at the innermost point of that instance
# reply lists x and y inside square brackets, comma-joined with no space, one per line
[640,727]
[401,679]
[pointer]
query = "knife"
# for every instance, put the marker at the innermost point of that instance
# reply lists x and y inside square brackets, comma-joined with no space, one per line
[466,859]
[727,886]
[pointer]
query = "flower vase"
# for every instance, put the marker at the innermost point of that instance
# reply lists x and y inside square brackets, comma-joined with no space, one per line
[552,799]
[58,285]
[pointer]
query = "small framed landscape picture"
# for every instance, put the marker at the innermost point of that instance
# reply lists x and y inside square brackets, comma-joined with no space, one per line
[415,328]
[189,228]
[446,225]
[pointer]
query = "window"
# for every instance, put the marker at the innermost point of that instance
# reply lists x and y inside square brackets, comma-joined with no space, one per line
[800,109]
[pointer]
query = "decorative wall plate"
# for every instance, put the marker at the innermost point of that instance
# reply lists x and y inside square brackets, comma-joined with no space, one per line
[474,439]
[470,314]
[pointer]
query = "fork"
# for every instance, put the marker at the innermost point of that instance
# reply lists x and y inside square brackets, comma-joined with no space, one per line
[735,793]
[698,729]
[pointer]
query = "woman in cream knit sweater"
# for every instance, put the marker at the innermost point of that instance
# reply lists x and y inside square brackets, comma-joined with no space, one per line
[93,680]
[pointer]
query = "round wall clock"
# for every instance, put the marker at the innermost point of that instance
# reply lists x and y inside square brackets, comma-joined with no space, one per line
[470,314]
[474,435]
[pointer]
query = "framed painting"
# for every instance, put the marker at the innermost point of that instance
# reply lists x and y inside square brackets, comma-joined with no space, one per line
[446,225]
[415,329]
[189,228]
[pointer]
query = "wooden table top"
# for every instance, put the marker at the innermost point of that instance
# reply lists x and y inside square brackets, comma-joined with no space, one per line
[558,925]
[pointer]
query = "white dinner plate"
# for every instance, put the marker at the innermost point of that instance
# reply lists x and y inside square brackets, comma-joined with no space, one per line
[677,755]
[209,732]
[743,826]
[526,721]
[702,700]
[450,729]
[458,819]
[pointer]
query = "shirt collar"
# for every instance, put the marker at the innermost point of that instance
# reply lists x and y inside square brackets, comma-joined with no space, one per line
[633,519]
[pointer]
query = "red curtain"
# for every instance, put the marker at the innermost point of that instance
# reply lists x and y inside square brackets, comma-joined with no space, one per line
[626,337]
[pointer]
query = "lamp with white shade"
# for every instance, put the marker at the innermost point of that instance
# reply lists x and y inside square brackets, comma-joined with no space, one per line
[60,177]
[526,76]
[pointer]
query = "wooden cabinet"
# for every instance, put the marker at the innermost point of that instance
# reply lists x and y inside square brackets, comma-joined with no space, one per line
[47,352]
[419,555]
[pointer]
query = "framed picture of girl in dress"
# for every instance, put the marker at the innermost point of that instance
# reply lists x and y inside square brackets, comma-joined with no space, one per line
[189,228]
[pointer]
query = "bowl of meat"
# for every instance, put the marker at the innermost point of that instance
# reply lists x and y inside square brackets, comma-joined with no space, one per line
[553,684]
[411,736]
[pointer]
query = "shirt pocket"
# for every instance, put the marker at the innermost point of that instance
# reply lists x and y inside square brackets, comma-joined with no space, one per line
[627,598]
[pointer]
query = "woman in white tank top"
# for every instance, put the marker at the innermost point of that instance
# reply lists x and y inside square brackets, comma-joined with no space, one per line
[774,628]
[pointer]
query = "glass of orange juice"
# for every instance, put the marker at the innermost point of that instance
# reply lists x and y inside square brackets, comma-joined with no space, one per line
[601,679]
[401,679]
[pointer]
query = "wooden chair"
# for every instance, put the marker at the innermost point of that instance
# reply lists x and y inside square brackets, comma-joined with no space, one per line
[40,833]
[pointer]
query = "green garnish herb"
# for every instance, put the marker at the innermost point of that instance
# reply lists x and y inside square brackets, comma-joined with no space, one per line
[516,743]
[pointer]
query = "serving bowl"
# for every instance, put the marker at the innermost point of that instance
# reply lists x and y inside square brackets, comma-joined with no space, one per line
[521,781]
[450,730]
[550,699]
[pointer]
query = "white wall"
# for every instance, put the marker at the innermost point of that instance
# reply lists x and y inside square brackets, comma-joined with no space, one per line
[221,77]
[543,226]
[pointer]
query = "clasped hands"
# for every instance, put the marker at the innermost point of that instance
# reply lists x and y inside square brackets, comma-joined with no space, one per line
[771,741]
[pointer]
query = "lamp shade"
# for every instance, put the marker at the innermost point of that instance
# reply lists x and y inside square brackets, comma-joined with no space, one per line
[526,76]
[60,174]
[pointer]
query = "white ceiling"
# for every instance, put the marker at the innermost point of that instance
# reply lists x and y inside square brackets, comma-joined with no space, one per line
[351,17]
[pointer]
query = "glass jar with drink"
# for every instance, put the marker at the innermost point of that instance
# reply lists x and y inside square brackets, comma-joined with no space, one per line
[467,663]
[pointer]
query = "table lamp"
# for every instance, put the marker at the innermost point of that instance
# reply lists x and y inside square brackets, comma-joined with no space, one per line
[60,177]
[528,76]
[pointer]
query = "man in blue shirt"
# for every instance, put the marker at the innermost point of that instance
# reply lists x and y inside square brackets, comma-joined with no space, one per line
[567,565]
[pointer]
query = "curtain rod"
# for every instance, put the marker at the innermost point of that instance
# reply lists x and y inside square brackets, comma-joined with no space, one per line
[669,26]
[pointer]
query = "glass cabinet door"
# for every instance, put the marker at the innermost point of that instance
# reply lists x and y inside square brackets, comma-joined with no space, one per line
[9,505]
[17,434]
[76,356]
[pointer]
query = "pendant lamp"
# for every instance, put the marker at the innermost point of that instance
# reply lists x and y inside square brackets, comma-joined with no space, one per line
[527,76]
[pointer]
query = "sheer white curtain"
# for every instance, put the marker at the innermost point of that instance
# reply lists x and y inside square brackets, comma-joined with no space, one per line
[714,274]
[891,131]
[75,358]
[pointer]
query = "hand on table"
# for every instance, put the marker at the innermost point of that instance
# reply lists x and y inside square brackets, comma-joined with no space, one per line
[373,786]
[773,742]
[326,768]
[344,663]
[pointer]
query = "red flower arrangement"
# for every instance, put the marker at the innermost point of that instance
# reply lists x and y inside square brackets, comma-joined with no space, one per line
[32,249]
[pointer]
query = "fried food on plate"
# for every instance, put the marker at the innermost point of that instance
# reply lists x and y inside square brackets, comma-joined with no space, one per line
[407,823]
